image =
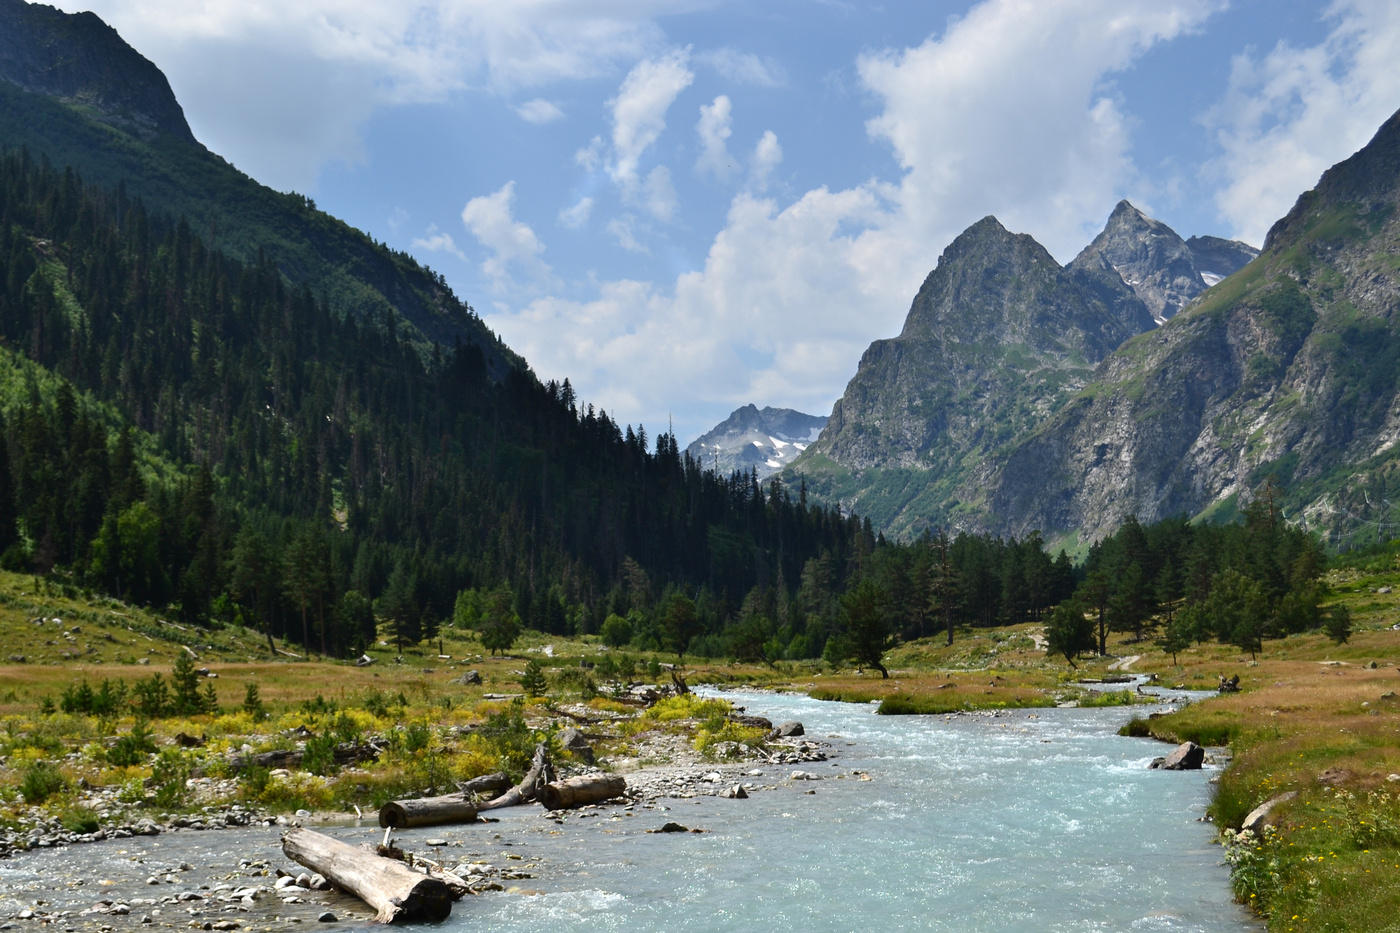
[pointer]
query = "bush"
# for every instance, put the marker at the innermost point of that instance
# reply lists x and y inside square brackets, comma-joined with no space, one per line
[318,756]
[168,775]
[40,781]
[132,748]
[576,680]
[79,820]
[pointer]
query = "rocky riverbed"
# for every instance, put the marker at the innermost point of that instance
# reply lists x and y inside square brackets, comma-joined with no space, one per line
[221,868]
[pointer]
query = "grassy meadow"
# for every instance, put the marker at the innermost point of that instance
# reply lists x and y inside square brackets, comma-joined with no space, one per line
[1313,717]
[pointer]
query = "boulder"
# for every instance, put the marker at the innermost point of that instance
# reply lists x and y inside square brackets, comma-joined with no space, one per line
[1188,756]
[788,729]
[574,743]
[1258,818]
[469,678]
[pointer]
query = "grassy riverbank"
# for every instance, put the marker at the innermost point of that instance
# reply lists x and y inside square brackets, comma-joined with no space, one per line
[1312,717]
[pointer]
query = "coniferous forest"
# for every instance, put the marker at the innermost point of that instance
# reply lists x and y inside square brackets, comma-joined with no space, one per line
[197,434]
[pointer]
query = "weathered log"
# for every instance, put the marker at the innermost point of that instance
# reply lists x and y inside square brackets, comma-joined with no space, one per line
[396,892]
[541,772]
[580,790]
[493,784]
[427,811]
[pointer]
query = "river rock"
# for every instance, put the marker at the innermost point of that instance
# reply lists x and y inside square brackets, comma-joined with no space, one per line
[1258,818]
[574,742]
[788,730]
[1188,756]
[736,792]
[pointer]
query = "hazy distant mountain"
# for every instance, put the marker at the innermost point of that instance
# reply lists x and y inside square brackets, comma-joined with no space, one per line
[765,440]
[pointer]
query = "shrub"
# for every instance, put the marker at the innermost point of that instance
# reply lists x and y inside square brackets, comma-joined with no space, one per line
[79,820]
[318,756]
[40,781]
[168,775]
[132,748]
[576,680]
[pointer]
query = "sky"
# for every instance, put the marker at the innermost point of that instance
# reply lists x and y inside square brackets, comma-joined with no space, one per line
[684,206]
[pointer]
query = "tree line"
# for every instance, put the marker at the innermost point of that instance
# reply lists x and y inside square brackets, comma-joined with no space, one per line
[208,437]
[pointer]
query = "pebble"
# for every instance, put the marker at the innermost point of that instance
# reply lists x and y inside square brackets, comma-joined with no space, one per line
[327,917]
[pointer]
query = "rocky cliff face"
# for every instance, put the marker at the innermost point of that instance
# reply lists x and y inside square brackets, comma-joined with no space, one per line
[1160,267]
[761,439]
[996,338]
[1289,370]
[81,60]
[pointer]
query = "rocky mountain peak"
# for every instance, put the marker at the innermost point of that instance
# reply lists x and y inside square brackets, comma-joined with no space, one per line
[764,440]
[80,60]
[1149,256]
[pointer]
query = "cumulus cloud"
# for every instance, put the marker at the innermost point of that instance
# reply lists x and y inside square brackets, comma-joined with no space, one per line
[325,66]
[539,111]
[767,155]
[714,131]
[438,241]
[512,243]
[1009,110]
[639,110]
[1291,113]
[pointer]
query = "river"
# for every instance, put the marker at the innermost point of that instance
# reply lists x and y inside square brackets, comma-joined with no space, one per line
[1029,820]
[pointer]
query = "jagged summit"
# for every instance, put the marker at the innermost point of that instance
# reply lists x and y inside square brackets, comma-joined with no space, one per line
[79,59]
[1159,266]
[751,438]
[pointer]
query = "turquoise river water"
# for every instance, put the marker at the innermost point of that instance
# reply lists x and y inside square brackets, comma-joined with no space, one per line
[1031,820]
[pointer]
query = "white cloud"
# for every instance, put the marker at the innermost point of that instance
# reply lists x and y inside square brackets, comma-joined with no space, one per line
[1010,110]
[743,67]
[1290,114]
[539,111]
[512,243]
[590,157]
[576,215]
[639,110]
[767,155]
[1008,113]
[323,67]
[438,241]
[714,132]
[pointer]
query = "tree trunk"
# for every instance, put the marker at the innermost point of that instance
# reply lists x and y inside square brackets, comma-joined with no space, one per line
[427,811]
[541,773]
[580,790]
[396,892]
[493,784]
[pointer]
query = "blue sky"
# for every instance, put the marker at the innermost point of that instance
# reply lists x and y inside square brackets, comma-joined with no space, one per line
[687,206]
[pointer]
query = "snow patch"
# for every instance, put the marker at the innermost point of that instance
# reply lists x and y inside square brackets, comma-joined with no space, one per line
[758,444]
[773,463]
[1210,278]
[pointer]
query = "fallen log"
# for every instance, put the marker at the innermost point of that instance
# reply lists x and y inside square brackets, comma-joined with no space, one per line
[346,753]
[493,785]
[396,892]
[541,773]
[580,790]
[427,811]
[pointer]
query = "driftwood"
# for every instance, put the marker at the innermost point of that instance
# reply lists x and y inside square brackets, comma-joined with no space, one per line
[487,785]
[541,773]
[580,790]
[396,892]
[427,811]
